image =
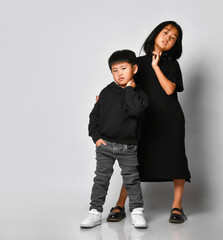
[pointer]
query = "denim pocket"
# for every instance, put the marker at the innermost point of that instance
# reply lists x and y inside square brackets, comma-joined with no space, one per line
[132,147]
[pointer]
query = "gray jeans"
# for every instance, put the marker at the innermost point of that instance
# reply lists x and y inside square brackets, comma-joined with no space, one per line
[128,162]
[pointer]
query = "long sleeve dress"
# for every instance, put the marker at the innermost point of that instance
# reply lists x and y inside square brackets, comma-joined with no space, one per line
[161,150]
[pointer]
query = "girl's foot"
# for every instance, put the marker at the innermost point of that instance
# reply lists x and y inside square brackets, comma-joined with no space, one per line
[116,214]
[177,216]
[176,206]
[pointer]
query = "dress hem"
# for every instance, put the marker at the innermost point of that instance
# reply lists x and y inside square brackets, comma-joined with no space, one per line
[162,179]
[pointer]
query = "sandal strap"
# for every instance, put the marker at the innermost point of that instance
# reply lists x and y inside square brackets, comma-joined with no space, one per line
[177,209]
[116,207]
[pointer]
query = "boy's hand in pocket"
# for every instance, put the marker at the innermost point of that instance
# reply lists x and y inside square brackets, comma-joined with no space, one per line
[99,142]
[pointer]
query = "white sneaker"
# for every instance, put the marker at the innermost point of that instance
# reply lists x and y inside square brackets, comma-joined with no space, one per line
[93,219]
[138,219]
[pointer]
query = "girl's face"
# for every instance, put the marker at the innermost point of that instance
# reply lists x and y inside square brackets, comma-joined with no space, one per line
[166,39]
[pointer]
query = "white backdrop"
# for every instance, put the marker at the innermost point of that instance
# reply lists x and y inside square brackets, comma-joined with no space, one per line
[53,62]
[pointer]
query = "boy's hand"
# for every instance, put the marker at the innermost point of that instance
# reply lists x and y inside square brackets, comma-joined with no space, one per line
[131,83]
[99,142]
[97,98]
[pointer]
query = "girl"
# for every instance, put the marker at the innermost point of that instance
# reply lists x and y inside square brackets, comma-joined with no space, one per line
[161,150]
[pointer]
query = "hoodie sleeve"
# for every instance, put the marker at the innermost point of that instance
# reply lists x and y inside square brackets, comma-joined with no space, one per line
[94,119]
[136,101]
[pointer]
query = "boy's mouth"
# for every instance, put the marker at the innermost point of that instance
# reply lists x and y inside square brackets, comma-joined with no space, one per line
[121,79]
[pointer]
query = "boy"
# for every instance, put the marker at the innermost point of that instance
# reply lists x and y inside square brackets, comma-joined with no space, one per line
[114,127]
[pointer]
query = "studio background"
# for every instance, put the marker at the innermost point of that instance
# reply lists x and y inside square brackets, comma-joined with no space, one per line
[53,57]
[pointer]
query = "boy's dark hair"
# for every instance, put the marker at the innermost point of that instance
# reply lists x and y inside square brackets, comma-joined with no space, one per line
[122,56]
[175,52]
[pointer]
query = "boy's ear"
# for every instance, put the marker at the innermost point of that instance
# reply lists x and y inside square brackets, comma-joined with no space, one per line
[135,68]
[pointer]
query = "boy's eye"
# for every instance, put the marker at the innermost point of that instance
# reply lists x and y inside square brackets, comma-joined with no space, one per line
[114,71]
[123,68]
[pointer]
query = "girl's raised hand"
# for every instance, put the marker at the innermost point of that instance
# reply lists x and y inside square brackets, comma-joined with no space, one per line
[131,83]
[156,59]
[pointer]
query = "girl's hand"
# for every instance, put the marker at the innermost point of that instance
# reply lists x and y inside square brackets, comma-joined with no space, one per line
[131,83]
[99,142]
[97,98]
[156,59]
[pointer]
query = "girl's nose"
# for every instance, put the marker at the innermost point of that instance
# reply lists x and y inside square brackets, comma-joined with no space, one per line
[168,37]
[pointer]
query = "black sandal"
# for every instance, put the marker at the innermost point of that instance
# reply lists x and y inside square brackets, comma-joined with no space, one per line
[177,218]
[116,216]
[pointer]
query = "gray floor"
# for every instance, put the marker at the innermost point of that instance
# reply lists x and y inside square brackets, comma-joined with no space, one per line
[197,227]
[55,216]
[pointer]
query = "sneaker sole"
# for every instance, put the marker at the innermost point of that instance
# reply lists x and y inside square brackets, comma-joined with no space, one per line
[87,226]
[140,227]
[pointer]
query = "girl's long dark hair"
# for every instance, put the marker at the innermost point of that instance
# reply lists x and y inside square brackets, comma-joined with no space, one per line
[175,52]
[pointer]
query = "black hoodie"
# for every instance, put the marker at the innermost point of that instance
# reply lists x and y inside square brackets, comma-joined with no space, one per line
[116,115]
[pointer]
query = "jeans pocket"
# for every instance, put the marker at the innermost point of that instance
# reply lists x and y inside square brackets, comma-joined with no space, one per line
[132,147]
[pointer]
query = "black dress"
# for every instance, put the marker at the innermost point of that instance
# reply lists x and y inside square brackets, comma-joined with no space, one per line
[161,150]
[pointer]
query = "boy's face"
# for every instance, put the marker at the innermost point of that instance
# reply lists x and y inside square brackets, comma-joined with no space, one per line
[123,73]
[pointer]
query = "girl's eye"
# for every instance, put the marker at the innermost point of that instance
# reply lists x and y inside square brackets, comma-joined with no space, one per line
[114,70]
[123,68]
